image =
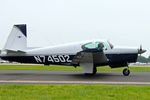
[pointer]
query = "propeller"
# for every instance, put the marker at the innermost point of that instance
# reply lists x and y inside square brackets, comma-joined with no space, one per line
[140,50]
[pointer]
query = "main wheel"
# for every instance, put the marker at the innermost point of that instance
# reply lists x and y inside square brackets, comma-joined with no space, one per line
[126,72]
[94,70]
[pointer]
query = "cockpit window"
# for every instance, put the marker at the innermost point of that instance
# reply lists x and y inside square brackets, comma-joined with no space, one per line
[94,45]
[100,45]
[88,46]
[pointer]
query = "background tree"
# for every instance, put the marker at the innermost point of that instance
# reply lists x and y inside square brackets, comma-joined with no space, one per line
[148,59]
[142,59]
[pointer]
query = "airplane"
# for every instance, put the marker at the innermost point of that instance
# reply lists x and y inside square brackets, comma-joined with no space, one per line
[88,54]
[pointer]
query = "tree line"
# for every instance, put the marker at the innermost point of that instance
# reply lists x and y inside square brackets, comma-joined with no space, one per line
[143,59]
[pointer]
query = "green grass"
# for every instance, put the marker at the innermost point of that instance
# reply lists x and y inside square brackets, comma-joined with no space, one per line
[69,68]
[74,92]
[38,67]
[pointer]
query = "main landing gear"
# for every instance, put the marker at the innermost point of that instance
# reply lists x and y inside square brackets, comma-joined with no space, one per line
[126,72]
[94,70]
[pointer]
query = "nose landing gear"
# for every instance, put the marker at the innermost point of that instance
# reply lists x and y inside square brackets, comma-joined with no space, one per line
[126,72]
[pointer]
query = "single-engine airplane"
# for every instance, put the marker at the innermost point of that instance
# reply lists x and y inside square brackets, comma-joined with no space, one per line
[87,54]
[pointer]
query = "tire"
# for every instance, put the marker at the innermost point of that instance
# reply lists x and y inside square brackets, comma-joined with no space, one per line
[94,70]
[126,72]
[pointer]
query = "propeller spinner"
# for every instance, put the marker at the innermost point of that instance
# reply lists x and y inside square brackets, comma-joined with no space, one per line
[140,51]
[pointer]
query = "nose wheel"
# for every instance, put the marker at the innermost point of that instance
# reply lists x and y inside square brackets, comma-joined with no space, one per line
[126,72]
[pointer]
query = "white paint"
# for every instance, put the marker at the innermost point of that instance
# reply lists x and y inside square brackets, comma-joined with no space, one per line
[16,40]
[37,58]
[68,48]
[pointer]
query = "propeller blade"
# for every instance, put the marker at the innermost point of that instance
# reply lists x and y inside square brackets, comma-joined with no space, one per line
[140,50]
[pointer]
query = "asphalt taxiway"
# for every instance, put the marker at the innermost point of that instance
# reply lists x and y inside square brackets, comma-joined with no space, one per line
[66,77]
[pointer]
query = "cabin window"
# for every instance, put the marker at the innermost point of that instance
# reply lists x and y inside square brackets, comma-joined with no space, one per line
[94,45]
[99,45]
[89,46]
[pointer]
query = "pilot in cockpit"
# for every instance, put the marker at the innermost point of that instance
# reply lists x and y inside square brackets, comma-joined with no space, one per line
[100,46]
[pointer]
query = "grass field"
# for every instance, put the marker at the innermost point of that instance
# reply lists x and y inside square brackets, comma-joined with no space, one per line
[69,68]
[74,92]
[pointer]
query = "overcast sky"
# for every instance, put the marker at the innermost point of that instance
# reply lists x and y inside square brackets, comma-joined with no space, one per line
[51,22]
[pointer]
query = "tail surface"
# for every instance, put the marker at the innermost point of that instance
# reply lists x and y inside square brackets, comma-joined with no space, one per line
[17,40]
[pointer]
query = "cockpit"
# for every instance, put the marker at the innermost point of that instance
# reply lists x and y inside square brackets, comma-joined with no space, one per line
[97,46]
[94,45]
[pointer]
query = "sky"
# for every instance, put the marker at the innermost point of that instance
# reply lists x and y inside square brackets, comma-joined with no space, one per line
[52,22]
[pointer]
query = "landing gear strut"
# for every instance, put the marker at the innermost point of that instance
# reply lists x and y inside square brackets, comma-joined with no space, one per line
[126,72]
[94,70]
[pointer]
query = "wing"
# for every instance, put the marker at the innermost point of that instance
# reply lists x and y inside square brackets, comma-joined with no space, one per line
[91,56]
